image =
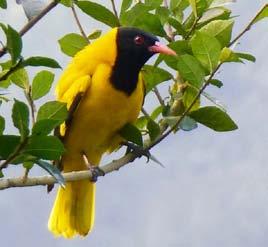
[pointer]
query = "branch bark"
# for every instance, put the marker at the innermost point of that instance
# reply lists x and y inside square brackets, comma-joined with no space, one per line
[32,22]
[70,176]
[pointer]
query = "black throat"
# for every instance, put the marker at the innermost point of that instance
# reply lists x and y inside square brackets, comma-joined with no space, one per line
[125,74]
[128,62]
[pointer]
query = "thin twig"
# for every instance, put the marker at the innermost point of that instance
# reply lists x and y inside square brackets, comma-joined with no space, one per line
[158,96]
[248,27]
[32,22]
[145,113]
[115,12]
[79,23]
[169,28]
[31,103]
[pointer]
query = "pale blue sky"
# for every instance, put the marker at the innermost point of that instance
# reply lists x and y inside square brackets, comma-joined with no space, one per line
[214,189]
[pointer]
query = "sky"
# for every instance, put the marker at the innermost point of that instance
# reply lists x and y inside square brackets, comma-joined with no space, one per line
[213,190]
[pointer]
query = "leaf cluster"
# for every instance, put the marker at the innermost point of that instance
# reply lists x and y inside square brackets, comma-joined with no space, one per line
[200,31]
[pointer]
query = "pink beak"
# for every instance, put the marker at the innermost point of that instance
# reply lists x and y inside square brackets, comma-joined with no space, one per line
[160,48]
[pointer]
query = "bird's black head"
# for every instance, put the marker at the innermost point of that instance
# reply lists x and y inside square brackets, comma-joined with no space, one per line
[133,44]
[134,48]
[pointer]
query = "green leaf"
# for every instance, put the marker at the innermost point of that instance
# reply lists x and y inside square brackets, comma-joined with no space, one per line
[2,125]
[214,118]
[154,129]
[3,4]
[20,78]
[181,47]
[227,55]
[156,112]
[154,76]
[150,23]
[127,18]
[8,144]
[41,84]
[206,49]
[28,165]
[52,170]
[179,4]
[215,14]
[178,26]
[71,43]
[53,110]
[98,12]
[191,70]
[153,3]
[263,14]
[216,83]
[66,3]
[219,3]
[188,124]
[246,56]
[221,30]
[44,126]
[14,43]
[94,35]
[194,8]
[125,6]
[45,147]
[188,97]
[20,117]
[163,14]
[131,133]
[141,122]
[41,61]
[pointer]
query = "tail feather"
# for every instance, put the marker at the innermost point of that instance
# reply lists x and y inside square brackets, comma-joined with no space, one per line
[73,210]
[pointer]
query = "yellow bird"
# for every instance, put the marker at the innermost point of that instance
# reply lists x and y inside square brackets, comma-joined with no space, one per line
[106,74]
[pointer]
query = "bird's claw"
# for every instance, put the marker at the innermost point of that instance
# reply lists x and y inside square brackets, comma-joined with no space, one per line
[137,150]
[96,172]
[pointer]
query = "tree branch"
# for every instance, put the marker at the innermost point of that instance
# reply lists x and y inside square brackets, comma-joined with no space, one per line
[32,22]
[248,27]
[78,23]
[70,176]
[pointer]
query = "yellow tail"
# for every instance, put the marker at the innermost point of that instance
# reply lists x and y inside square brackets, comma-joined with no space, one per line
[73,210]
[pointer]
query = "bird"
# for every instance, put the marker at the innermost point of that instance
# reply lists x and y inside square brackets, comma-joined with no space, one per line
[103,90]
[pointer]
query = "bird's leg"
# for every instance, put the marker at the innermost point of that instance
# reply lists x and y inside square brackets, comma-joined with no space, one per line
[95,170]
[138,150]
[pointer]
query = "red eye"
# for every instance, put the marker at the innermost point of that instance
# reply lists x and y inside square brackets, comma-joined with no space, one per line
[139,40]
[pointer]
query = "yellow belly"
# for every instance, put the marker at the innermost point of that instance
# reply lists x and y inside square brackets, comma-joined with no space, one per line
[102,112]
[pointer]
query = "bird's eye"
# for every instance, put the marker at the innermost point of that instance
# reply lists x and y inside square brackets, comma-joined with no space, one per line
[139,40]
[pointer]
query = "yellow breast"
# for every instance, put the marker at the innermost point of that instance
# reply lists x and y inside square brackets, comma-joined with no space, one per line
[102,113]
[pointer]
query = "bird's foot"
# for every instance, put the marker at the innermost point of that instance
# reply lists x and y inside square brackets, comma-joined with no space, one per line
[137,150]
[140,151]
[95,170]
